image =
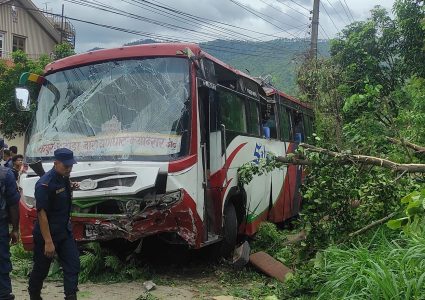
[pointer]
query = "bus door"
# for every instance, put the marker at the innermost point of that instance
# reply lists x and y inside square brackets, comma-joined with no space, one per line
[211,158]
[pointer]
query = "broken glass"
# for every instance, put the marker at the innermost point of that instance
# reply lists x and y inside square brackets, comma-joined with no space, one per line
[124,109]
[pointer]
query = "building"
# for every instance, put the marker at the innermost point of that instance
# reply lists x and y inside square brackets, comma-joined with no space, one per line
[24,27]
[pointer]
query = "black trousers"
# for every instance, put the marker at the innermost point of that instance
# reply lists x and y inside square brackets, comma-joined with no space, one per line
[69,259]
[5,264]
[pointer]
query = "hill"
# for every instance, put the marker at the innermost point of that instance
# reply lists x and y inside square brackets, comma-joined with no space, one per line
[278,58]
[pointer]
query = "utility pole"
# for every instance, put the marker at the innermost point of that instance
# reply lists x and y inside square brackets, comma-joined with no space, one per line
[63,7]
[314,29]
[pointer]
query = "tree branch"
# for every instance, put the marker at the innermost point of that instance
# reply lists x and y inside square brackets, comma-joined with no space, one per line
[373,224]
[417,148]
[365,159]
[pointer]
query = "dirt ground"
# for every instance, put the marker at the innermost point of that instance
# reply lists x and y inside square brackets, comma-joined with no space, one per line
[115,291]
[178,275]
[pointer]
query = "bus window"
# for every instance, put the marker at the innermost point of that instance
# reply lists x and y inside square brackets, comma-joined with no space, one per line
[285,124]
[253,122]
[269,119]
[307,127]
[298,126]
[232,111]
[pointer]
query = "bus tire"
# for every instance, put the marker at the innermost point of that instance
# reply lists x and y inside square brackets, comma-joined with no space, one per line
[230,231]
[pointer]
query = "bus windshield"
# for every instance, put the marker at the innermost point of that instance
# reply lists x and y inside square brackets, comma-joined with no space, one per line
[136,109]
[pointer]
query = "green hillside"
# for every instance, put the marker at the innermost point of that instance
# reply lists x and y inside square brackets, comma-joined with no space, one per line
[278,58]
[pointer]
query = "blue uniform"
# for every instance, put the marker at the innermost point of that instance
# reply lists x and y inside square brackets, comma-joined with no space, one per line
[8,163]
[53,194]
[11,197]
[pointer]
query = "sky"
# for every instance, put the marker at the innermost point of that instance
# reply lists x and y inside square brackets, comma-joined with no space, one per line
[255,20]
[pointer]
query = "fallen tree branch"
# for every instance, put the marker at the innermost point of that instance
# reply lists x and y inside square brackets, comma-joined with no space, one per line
[369,160]
[417,148]
[293,160]
[373,224]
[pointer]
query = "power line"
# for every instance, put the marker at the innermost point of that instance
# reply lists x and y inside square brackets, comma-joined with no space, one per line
[157,37]
[211,20]
[285,4]
[321,3]
[345,11]
[114,10]
[254,12]
[348,8]
[323,30]
[303,7]
[333,7]
[281,11]
[117,11]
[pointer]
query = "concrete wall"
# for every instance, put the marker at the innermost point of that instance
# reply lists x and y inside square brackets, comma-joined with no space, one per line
[18,142]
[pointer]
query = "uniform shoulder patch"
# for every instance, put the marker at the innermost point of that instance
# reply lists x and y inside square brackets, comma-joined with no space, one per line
[60,190]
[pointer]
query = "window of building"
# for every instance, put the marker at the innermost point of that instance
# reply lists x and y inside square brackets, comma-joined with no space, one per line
[252,115]
[1,44]
[232,111]
[18,43]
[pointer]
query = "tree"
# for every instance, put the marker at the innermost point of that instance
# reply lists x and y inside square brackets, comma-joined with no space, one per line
[63,50]
[14,122]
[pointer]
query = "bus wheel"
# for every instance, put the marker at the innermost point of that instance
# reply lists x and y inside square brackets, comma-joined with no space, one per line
[230,231]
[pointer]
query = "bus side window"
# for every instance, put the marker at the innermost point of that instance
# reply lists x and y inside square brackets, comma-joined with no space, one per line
[290,114]
[269,119]
[232,111]
[252,117]
[307,127]
[298,127]
[285,124]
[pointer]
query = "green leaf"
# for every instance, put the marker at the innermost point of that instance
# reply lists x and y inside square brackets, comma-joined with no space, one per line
[398,223]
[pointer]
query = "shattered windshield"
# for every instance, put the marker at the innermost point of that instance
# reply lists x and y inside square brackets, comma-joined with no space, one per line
[128,109]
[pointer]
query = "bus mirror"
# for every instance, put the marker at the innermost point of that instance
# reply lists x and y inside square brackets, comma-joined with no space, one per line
[22,99]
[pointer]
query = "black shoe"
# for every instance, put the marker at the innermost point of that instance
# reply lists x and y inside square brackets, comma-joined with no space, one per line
[71,297]
[35,297]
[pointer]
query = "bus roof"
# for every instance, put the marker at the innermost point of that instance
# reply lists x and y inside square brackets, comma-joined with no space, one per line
[146,50]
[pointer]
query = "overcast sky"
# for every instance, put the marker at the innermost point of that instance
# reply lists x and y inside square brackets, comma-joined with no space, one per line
[289,18]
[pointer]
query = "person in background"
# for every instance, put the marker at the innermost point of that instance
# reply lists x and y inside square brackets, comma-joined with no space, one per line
[13,151]
[7,158]
[9,213]
[2,144]
[17,162]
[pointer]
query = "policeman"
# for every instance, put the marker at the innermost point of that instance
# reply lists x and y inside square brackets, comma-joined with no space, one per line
[52,232]
[9,212]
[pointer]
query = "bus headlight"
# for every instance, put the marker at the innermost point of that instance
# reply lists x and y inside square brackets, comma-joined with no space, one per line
[29,201]
[170,198]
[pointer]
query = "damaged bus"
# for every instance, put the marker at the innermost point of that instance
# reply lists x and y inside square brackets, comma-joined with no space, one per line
[159,132]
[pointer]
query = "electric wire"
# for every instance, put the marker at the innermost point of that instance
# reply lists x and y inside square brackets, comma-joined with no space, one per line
[345,10]
[279,10]
[349,11]
[337,12]
[114,10]
[254,12]
[321,3]
[157,37]
[290,7]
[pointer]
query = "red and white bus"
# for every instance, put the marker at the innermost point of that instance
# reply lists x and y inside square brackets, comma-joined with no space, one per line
[159,132]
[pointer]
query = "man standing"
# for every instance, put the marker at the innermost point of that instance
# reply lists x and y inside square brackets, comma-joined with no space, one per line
[52,232]
[9,212]
[17,162]
[7,157]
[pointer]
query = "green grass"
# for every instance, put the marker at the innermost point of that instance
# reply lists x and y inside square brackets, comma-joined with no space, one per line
[384,268]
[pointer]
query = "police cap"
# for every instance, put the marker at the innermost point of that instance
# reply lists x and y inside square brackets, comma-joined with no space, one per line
[65,156]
